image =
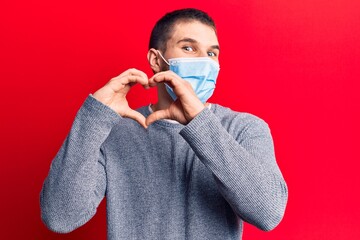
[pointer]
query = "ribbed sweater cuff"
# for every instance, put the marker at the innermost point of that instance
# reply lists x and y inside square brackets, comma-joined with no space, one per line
[98,113]
[191,130]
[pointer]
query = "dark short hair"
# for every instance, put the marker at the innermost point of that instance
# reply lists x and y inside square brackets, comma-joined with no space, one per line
[163,29]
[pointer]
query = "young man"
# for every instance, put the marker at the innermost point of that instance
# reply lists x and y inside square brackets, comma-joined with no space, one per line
[179,169]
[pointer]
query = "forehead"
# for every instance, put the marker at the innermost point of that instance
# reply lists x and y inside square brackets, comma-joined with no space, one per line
[202,33]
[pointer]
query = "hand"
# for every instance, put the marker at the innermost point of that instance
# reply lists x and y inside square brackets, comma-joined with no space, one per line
[113,94]
[187,104]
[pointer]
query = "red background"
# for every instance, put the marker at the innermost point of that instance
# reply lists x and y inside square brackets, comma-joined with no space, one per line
[293,63]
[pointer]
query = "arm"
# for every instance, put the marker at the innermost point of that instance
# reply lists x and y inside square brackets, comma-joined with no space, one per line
[244,168]
[76,182]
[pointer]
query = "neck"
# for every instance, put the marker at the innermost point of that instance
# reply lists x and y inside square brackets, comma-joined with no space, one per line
[164,99]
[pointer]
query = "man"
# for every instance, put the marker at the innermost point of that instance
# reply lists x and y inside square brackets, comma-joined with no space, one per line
[179,169]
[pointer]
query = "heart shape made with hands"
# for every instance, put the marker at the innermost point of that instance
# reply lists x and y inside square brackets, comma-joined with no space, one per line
[183,110]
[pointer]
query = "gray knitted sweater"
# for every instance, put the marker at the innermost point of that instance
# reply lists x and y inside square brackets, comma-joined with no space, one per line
[170,181]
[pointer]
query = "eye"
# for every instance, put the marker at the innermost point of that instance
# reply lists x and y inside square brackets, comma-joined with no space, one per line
[211,54]
[188,49]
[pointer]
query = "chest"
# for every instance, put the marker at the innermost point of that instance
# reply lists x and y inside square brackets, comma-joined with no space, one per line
[159,162]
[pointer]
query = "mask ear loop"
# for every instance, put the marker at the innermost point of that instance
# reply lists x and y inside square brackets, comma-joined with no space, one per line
[163,58]
[166,63]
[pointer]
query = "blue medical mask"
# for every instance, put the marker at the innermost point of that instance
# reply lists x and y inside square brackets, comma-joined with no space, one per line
[200,72]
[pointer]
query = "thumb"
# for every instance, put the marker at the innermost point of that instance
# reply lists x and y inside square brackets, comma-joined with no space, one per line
[157,115]
[137,117]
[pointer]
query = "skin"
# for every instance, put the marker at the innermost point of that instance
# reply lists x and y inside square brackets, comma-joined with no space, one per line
[189,39]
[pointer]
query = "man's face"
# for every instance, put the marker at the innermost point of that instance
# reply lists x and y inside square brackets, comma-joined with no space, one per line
[192,39]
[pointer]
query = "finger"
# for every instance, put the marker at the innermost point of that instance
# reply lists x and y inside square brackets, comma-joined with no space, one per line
[179,85]
[119,83]
[157,115]
[168,76]
[133,71]
[137,117]
[141,76]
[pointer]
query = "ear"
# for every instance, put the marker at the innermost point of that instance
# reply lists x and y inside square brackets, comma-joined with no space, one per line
[154,60]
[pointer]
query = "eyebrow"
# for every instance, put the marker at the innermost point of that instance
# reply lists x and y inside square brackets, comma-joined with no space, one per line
[215,47]
[191,40]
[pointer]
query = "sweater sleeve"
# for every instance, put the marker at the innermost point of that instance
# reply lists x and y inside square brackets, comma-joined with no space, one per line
[76,182]
[243,166]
